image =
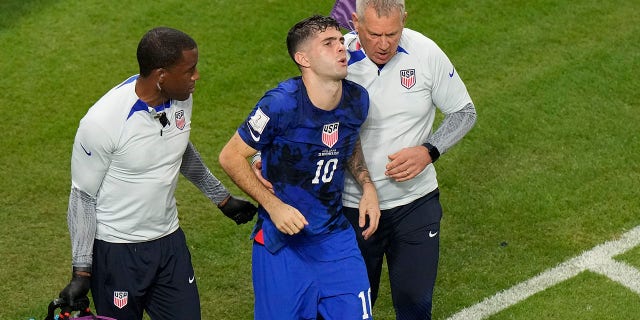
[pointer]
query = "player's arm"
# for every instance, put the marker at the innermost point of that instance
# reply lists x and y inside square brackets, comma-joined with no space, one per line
[193,168]
[233,159]
[369,206]
[89,163]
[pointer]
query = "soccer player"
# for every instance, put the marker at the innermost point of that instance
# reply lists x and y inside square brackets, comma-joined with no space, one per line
[127,245]
[305,256]
[407,76]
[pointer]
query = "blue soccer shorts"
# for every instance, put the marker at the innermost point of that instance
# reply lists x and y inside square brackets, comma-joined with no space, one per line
[326,276]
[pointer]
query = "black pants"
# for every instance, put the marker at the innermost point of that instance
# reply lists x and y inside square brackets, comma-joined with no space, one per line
[156,276]
[409,237]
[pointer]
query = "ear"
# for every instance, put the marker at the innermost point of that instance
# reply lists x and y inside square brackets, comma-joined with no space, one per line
[160,72]
[354,18]
[301,59]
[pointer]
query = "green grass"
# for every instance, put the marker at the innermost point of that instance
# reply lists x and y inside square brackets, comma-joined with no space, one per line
[551,167]
[587,297]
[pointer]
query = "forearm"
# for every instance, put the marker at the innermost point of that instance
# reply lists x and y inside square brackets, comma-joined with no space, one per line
[239,170]
[453,128]
[81,219]
[357,165]
[233,159]
[194,169]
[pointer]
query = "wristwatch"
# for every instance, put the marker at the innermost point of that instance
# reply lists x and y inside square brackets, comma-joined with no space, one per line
[433,152]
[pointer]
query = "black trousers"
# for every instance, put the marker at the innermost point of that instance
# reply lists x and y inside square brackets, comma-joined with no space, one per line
[409,237]
[156,276]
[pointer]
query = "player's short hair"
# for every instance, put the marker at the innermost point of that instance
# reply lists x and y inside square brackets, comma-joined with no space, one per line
[307,28]
[383,7]
[162,47]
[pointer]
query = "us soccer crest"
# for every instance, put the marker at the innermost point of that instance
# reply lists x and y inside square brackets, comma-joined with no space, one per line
[120,298]
[330,134]
[180,120]
[408,78]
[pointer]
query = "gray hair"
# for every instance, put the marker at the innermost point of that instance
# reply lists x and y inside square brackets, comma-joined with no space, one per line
[383,8]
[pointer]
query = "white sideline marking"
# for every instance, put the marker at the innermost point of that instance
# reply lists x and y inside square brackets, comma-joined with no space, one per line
[621,273]
[599,260]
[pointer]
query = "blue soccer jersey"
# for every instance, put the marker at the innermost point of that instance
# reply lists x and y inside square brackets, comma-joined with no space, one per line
[304,154]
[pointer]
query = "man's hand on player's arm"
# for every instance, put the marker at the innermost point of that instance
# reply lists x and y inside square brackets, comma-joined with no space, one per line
[256,165]
[237,209]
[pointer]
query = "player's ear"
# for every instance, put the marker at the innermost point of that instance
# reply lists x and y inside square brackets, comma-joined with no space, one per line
[301,59]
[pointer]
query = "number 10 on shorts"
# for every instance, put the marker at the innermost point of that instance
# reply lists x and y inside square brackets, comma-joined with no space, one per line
[366,303]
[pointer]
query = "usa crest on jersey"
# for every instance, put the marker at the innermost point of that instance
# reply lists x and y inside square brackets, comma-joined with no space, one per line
[330,134]
[180,120]
[120,298]
[408,78]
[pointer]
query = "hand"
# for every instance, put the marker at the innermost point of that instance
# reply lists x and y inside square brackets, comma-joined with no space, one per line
[287,219]
[369,208]
[407,163]
[239,210]
[74,294]
[82,305]
[257,169]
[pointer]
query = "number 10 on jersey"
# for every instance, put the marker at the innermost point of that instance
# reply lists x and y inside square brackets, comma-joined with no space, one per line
[325,170]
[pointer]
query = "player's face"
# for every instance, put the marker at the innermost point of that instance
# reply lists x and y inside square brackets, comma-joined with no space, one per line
[327,55]
[179,81]
[379,36]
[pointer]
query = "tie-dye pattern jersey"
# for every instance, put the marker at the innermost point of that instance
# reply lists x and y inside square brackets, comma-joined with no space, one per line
[304,154]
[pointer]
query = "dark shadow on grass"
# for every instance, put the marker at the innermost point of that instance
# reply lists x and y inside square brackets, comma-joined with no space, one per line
[12,11]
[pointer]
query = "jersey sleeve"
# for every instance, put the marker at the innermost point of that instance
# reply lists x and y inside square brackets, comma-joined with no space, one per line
[90,157]
[89,163]
[449,92]
[195,170]
[81,219]
[262,125]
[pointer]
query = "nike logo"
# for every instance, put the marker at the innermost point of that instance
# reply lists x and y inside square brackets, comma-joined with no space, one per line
[256,138]
[432,234]
[191,279]
[452,71]
[85,150]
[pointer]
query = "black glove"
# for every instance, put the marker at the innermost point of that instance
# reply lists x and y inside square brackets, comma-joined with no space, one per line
[75,293]
[239,210]
[82,305]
